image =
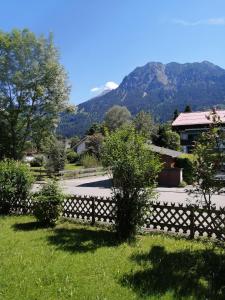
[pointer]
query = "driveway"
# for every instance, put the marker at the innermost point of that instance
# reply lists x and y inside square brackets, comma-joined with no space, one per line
[100,186]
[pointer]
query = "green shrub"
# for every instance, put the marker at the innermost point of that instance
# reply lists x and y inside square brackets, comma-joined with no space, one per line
[15,184]
[89,161]
[38,161]
[183,184]
[134,170]
[48,203]
[185,162]
[71,156]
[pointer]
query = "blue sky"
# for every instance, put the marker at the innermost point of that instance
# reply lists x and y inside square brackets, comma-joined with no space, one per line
[101,41]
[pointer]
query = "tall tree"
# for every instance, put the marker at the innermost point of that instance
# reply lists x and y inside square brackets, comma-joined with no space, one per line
[167,138]
[117,116]
[73,141]
[94,144]
[33,90]
[144,124]
[175,114]
[187,108]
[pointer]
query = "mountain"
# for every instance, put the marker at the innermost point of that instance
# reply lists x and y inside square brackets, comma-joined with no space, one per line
[157,88]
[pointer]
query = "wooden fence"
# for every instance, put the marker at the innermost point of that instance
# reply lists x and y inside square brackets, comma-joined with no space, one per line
[167,217]
[41,174]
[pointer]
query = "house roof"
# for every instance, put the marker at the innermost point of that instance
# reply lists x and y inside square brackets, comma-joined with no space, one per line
[81,141]
[165,151]
[196,118]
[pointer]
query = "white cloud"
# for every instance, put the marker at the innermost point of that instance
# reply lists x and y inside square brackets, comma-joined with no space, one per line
[95,89]
[109,85]
[211,21]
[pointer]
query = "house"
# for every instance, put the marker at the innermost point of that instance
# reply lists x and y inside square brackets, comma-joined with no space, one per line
[190,124]
[81,146]
[170,175]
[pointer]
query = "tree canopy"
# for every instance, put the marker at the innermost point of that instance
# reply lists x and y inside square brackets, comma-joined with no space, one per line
[167,138]
[117,116]
[144,124]
[33,90]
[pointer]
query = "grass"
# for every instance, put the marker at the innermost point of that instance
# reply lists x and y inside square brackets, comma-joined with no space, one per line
[72,167]
[74,261]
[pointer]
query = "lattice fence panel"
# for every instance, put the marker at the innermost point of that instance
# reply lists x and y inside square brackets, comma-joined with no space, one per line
[22,207]
[89,208]
[209,223]
[105,210]
[168,217]
[78,207]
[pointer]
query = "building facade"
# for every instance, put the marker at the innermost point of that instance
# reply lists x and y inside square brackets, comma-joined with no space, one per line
[191,124]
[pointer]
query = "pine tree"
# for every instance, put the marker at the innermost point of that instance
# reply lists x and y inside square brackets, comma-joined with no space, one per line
[187,108]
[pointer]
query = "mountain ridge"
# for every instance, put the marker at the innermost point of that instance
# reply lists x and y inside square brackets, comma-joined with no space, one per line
[156,88]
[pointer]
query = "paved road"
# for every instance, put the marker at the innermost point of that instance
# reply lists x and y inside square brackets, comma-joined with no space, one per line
[100,186]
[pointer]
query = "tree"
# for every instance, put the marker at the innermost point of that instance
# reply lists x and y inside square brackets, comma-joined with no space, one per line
[209,158]
[56,156]
[167,138]
[175,114]
[143,124]
[94,144]
[117,116]
[187,108]
[134,171]
[33,90]
[73,141]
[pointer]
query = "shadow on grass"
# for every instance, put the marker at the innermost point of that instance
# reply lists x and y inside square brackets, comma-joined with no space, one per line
[29,226]
[82,239]
[200,274]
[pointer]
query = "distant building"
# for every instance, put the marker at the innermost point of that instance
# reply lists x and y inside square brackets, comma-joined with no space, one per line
[190,124]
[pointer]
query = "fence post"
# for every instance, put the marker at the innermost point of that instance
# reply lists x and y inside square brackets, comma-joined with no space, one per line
[93,211]
[192,222]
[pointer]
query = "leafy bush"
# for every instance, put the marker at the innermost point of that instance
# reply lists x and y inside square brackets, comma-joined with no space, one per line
[89,161]
[48,203]
[71,156]
[38,161]
[182,184]
[185,162]
[15,184]
[134,169]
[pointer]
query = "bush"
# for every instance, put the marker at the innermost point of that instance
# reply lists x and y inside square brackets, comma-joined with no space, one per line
[48,203]
[89,161]
[15,184]
[185,162]
[38,161]
[182,184]
[134,170]
[71,156]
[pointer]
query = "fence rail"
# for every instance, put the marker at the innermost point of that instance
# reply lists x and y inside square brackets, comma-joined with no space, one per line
[167,217]
[41,174]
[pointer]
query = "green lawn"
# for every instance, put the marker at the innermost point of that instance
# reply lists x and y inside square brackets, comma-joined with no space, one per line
[72,167]
[81,262]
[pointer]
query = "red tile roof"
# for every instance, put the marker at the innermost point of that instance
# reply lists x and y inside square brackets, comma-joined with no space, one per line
[195,118]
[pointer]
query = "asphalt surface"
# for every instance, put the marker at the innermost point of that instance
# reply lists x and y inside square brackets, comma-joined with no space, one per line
[100,186]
